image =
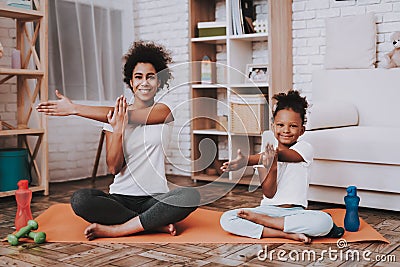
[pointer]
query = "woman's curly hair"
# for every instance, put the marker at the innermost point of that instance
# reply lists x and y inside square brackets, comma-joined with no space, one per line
[292,100]
[148,52]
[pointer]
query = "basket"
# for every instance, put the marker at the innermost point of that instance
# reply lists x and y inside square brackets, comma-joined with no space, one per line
[249,114]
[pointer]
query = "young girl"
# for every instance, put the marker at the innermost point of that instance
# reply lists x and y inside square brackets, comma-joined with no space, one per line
[284,181]
[139,198]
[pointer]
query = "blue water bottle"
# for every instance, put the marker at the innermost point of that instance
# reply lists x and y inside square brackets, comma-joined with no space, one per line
[351,219]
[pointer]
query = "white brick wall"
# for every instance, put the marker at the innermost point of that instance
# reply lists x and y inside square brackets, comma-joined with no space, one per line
[170,28]
[73,144]
[8,97]
[309,32]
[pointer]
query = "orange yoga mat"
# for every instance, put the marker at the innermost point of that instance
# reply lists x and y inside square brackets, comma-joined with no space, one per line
[202,226]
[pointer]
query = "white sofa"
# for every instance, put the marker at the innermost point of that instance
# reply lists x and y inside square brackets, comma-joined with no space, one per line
[354,127]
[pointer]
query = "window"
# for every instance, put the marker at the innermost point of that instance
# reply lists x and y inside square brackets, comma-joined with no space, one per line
[87,39]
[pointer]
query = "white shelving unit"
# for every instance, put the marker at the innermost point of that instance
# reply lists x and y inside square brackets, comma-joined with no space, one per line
[205,133]
[32,82]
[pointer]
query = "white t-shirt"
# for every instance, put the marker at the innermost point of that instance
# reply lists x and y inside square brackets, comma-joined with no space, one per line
[293,178]
[144,149]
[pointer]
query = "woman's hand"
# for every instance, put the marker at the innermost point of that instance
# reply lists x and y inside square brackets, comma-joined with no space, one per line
[239,162]
[61,107]
[118,119]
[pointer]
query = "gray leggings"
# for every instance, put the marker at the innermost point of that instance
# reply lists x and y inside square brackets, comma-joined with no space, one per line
[95,206]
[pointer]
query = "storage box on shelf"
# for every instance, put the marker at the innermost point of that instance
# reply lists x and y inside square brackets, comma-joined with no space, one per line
[207,130]
[31,83]
[211,28]
[249,114]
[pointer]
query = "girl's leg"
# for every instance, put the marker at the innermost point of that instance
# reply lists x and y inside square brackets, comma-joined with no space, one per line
[309,222]
[273,226]
[169,208]
[269,221]
[95,206]
[232,223]
[263,219]
[270,232]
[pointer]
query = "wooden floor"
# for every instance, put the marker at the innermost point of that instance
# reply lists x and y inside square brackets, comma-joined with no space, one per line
[93,254]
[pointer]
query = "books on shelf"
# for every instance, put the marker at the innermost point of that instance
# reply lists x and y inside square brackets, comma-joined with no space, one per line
[242,12]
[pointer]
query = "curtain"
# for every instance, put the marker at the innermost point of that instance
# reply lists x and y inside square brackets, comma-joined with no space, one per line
[86,48]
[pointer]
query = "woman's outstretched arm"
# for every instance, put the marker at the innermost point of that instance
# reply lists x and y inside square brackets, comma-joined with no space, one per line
[156,114]
[65,107]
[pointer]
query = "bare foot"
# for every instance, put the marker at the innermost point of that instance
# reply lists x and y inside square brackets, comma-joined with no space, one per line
[96,230]
[169,229]
[254,217]
[302,238]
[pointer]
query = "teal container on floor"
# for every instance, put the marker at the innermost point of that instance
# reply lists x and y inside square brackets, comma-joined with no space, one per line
[14,166]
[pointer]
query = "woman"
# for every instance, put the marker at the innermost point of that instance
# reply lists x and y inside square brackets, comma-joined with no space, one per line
[139,198]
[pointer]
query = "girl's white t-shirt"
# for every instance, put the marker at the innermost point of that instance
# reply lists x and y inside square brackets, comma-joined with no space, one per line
[144,149]
[293,179]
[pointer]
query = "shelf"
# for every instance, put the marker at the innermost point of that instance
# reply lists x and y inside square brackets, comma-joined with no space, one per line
[246,180]
[20,13]
[231,62]
[246,134]
[29,74]
[210,132]
[25,72]
[216,132]
[208,86]
[251,37]
[32,188]
[31,39]
[21,132]
[236,85]
[249,85]
[210,39]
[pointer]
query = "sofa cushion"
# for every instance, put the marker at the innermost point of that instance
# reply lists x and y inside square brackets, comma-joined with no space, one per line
[351,42]
[375,92]
[331,114]
[356,143]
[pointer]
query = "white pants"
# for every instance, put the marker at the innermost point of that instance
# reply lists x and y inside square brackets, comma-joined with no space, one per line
[296,220]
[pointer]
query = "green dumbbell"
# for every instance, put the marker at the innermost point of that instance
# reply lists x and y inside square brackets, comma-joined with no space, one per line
[38,237]
[13,239]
